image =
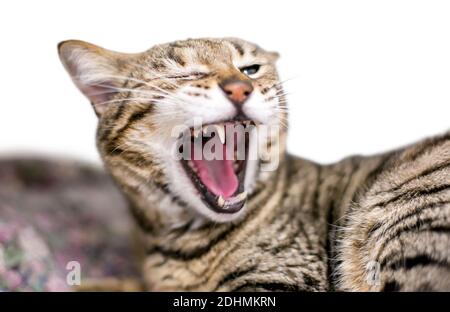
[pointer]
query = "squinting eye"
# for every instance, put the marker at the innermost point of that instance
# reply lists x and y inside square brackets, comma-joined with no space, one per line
[250,70]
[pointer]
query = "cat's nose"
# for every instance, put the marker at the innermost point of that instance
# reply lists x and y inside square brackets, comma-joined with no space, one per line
[237,91]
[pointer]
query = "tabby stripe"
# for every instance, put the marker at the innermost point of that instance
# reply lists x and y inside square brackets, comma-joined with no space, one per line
[315,203]
[171,54]
[191,254]
[419,260]
[300,227]
[232,251]
[248,218]
[415,212]
[200,251]
[428,146]
[390,286]
[133,158]
[420,175]
[238,48]
[384,163]
[182,230]
[235,275]
[270,286]
[373,175]
[412,194]
[310,281]
[292,237]
[409,229]
[302,230]
[141,219]
[120,109]
[165,189]
[135,117]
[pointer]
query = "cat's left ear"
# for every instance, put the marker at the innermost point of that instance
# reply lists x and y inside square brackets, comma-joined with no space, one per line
[97,72]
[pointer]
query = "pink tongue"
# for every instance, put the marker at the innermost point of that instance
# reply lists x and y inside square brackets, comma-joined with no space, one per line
[217,175]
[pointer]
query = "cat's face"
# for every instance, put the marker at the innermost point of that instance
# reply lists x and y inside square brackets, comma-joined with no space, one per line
[214,93]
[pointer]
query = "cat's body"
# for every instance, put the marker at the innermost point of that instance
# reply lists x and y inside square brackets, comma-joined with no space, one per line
[365,223]
[316,228]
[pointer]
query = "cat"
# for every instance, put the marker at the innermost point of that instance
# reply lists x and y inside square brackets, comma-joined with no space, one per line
[282,223]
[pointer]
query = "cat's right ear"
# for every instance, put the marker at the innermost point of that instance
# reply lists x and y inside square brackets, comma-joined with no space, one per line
[94,70]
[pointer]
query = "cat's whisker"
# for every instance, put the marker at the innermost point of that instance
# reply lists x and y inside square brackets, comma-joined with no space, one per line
[160,92]
[155,75]
[126,100]
[282,104]
[114,91]
[282,94]
[140,81]
[106,77]
[282,82]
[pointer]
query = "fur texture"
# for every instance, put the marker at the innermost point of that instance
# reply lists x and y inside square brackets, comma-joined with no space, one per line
[365,223]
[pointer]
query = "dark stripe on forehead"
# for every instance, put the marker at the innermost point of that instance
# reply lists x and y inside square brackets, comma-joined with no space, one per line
[157,64]
[238,48]
[182,44]
[173,55]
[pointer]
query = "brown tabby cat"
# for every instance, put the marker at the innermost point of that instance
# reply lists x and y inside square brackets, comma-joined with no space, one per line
[364,224]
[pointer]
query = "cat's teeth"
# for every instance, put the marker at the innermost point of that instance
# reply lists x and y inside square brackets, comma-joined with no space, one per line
[221,201]
[220,132]
[205,130]
[230,201]
[241,196]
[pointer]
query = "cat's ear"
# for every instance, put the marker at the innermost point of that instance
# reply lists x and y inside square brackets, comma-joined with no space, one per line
[94,70]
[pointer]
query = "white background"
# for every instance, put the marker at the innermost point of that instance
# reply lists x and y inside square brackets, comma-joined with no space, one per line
[368,75]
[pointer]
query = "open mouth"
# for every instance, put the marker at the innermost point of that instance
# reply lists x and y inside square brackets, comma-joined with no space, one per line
[216,163]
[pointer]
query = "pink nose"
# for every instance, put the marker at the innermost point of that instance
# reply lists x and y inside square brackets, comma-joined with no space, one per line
[237,91]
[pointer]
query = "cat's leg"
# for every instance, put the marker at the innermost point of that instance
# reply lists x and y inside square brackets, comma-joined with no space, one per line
[397,233]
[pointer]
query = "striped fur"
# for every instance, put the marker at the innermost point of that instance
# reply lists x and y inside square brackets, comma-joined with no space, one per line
[306,227]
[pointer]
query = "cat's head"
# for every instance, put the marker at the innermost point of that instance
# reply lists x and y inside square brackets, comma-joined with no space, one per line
[152,105]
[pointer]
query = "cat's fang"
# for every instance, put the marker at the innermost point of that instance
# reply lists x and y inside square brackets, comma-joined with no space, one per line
[220,201]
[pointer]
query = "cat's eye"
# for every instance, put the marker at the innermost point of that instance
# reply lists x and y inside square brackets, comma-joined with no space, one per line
[250,70]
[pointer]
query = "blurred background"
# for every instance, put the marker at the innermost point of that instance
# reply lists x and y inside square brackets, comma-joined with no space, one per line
[364,76]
